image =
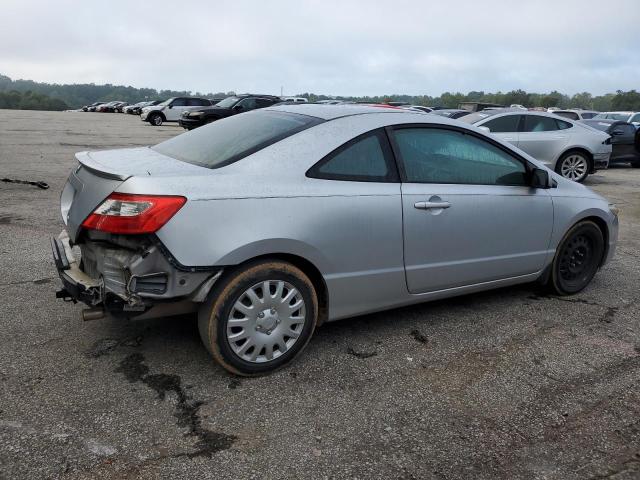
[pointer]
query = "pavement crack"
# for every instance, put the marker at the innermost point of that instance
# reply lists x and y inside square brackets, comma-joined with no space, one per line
[37,281]
[186,411]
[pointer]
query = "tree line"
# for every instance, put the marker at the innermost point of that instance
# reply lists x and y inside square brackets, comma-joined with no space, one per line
[27,94]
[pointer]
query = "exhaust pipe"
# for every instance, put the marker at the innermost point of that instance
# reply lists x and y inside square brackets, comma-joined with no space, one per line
[92,314]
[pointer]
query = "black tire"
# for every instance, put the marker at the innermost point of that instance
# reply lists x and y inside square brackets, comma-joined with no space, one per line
[215,314]
[577,259]
[155,119]
[574,156]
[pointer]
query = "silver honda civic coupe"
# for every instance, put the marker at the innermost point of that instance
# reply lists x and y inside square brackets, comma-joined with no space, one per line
[271,222]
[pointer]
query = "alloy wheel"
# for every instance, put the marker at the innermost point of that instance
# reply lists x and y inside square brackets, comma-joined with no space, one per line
[574,167]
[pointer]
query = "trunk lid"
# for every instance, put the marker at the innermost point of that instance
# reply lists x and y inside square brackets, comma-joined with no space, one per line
[100,173]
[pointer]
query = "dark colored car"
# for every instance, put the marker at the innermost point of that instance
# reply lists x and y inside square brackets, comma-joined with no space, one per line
[110,107]
[229,106]
[451,112]
[92,107]
[625,140]
[120,106]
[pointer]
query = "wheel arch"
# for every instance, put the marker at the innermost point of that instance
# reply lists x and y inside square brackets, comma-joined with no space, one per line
[159,112]
[305,265]
[604,228]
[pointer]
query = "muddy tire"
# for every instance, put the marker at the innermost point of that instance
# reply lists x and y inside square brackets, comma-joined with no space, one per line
[577,259]
[259,317]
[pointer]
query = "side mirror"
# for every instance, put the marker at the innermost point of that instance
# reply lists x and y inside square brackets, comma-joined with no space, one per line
[170,106]
[540,178]
[617,132]
[485,129]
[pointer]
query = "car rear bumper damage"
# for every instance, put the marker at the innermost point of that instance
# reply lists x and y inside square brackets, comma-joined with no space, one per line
[129,277]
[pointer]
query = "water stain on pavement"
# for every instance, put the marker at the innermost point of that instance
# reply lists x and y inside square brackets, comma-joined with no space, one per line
[186,410]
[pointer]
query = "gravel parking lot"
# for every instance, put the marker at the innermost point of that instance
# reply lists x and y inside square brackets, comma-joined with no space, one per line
[506,384]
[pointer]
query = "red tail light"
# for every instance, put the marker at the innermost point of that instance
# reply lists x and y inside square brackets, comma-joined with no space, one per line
[132,214]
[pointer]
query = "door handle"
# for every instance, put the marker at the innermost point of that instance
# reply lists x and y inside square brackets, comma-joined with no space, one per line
[431,205]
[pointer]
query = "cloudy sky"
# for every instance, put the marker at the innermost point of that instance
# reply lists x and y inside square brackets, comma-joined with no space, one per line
[324,46]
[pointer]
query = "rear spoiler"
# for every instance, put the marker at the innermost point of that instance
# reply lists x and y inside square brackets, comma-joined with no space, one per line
[97,168]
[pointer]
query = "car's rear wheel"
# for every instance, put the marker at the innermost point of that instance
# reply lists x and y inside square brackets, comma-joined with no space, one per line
[155,119]
[577,259]
[259,318]
[573,166]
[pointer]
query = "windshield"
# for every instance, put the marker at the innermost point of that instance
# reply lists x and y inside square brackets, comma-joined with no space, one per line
[227,102]
[230,139]
[166,102]
[475,117]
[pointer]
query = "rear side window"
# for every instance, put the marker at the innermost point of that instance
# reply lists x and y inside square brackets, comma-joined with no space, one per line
[537,123]
[367,158]
[179,102]
[506,123]
[197,102]
[635,118]
[562,125]
[263,102]
[569,115]
[228,140]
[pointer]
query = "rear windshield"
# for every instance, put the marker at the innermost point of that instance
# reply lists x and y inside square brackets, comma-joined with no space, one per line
[230,139]
[602,126]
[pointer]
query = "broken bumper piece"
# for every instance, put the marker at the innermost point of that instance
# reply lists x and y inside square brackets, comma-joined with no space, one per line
[128,280]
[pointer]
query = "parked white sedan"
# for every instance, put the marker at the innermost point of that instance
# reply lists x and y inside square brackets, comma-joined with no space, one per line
[570,148]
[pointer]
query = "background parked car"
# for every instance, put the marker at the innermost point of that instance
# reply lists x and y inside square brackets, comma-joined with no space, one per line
[631,117]
[119,107]
[110,107]
[136,108]
[92,107]
[477,106]
[170,110]
[576,114]
[421,108]
[451,112]
[570,148]
[295,99]
[227,107]
[625,140]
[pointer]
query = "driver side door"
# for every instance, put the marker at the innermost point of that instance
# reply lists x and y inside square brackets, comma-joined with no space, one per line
[469,214]
[174,113]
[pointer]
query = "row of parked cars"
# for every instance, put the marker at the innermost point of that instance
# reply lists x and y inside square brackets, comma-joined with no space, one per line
[572,142]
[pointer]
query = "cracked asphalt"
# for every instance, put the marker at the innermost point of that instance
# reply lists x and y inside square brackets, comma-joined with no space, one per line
[509,384]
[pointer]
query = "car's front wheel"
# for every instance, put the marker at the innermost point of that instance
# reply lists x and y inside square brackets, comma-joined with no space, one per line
[155,119]
[573,166]
[259,318]
[577,258]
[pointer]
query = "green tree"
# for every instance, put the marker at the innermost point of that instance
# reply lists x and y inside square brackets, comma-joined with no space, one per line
[626,101]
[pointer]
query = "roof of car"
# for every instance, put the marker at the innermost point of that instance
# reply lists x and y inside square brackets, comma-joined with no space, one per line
[240,95]
[329,112]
